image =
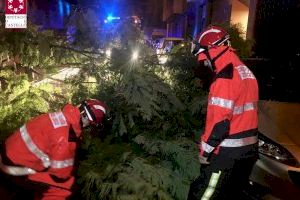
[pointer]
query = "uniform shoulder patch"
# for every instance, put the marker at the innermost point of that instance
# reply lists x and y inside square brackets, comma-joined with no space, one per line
[58,119]
[245,72]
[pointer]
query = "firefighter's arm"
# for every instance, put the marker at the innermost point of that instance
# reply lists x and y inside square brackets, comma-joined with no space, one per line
[62,160]
[219,112]
[59,173]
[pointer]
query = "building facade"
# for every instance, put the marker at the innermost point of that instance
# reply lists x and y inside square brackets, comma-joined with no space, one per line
[241,12]
[263,21]
[49,14]
[175,18]
[186,18]
[196,17]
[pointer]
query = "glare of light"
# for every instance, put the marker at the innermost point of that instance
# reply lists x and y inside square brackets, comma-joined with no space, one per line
[163,59]
[60,8]
[135,21]
[68,9]
[113,18]
[135,55]
[110,18]
[108,53]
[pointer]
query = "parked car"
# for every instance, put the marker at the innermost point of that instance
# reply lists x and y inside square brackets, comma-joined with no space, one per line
[278,168]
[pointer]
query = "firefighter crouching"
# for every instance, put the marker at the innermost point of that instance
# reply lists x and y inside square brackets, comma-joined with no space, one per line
[43,149]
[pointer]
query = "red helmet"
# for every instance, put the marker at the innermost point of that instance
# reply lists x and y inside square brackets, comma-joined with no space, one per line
[210,37]
[95,110]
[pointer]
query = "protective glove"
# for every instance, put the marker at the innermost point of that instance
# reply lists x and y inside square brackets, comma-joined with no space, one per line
[203,160]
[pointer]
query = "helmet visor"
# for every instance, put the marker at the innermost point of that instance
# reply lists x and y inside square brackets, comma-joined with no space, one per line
[196,48]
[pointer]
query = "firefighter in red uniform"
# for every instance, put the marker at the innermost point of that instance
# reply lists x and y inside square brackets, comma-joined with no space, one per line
[228,146]
[44,148]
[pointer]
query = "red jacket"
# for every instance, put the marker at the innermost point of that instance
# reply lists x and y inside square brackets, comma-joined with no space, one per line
[231,119]
[43,144]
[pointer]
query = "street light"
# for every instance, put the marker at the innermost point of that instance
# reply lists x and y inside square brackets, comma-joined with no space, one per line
[108,53]
[110,18]
[135,55]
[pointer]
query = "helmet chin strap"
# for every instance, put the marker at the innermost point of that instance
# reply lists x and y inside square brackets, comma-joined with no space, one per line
[210,63]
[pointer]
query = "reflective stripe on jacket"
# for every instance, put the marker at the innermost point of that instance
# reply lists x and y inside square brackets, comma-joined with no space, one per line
[232,106]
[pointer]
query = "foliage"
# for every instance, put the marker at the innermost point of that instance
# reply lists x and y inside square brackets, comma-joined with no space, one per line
[20,101]
[30,48]
[147,152]
[241,45]
[139,102]
[146,169]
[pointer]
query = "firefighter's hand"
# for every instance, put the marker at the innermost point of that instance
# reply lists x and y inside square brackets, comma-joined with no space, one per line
[203,160]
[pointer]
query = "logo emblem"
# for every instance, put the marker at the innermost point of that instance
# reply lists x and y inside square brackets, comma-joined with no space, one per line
[15,13]
[15,5]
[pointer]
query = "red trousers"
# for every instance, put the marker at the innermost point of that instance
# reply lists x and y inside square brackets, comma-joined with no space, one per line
[53,193]
[54,190]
